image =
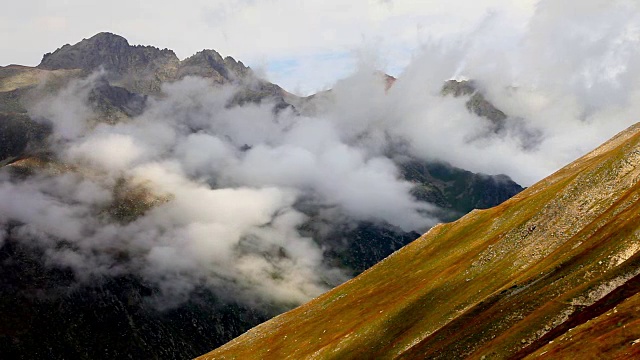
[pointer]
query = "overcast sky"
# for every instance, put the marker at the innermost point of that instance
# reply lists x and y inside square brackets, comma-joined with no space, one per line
[302,45]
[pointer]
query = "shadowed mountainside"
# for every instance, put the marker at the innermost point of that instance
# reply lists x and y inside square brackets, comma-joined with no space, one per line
[552,272]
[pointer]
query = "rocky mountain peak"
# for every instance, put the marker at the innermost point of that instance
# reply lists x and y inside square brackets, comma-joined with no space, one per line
[209,63]
[477,103]
[109,50]
[458,88]
[138,68]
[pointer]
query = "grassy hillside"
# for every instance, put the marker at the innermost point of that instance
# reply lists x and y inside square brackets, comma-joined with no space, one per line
[507,282]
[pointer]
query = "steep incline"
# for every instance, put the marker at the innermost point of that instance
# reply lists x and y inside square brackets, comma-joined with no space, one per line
[498,283]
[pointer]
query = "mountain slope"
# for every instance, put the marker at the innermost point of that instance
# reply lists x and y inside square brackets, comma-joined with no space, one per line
[494,283]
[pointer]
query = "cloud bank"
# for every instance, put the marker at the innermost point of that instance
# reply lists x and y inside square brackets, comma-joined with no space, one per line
[193,193]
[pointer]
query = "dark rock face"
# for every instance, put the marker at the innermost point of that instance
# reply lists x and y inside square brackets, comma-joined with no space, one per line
[458,88]
[109,101]
[360,246]
[111,51]
[259,91]
[143,69]
[209,64]
[140,69]
[455,189]
[529,137]
[477,104]
[483,108]
[19,135]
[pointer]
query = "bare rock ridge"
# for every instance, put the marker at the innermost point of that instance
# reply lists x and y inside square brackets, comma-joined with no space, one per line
[108,50]
[477,103]
[208,63]
[551,273]
[141,68]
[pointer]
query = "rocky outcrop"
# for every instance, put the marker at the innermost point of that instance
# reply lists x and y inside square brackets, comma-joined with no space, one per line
[477,103]
[455,189]
[209,64]
[458,88]
[110,51]
[143,69]
[114,103]
[19,136]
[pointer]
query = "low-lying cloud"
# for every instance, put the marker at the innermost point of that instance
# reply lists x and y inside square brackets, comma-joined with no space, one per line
[214,191]
[213,194]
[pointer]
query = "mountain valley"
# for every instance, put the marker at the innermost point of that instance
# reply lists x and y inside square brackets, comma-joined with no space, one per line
[122,312]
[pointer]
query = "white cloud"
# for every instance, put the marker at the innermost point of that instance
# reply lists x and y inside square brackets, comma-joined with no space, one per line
[231,177]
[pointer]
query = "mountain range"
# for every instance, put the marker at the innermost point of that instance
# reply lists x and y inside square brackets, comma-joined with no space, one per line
[48,313]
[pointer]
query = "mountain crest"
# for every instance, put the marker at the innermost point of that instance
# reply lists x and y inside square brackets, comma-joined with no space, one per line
[109,50]
[209,63]
[138,68]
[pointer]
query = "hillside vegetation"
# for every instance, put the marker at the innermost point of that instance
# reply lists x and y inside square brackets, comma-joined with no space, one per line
[553,272]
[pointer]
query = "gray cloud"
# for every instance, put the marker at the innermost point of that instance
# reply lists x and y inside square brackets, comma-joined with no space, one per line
[216,188]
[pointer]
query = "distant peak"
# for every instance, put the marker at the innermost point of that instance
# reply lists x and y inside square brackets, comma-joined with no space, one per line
[458,88]
[209,52]
[104,49]
[209,63]
[107,36]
